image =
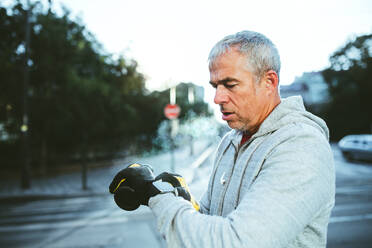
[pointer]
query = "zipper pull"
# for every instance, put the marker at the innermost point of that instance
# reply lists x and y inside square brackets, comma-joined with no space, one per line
[222,179]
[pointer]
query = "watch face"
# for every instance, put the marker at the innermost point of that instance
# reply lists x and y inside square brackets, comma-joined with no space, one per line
[163,186]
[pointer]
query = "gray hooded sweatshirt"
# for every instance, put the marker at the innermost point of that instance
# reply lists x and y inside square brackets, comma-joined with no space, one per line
[276,190]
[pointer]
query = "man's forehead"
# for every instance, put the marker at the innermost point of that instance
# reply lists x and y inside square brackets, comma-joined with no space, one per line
[230,56]
[229,61]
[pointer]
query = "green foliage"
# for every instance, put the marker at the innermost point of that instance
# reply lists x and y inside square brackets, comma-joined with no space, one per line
[11,62]
[80,100]
[350,88]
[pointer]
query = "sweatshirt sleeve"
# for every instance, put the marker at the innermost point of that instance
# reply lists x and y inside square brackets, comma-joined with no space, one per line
[295,183]
[205,203]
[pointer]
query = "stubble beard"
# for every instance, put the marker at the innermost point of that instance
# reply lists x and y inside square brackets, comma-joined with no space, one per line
[240,125]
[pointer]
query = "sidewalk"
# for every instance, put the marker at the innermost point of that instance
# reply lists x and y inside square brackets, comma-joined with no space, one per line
[105,226]
[98,180]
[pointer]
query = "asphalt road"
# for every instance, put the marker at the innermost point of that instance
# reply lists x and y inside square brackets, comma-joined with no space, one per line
[76,222]
[97,222]
[351,219]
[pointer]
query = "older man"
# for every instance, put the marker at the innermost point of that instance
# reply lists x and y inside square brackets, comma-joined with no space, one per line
[273,180]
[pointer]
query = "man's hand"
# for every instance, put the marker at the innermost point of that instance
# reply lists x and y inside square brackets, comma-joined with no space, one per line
[132,186]
[180,186]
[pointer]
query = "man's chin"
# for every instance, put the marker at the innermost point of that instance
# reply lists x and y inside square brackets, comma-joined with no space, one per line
[234,125]
[237,125]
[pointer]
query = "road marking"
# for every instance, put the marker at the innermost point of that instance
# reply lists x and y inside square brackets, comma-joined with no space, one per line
[55,225]
[102,217]
[354,189]
[338,219]
[202,157]
[114,219]
[198,162]
[352,206]
[71,224]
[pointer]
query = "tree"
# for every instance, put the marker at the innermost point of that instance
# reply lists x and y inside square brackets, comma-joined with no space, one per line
[81,100]
[350,88]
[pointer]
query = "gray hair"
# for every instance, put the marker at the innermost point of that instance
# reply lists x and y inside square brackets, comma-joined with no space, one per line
[261,53]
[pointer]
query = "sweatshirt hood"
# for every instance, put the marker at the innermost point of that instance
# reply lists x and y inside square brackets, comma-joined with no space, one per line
[289,110]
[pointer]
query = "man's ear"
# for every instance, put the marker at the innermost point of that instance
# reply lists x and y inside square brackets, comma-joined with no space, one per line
[271,81]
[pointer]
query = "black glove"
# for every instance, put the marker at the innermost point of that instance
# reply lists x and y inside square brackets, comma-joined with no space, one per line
[132,186]
[180,187]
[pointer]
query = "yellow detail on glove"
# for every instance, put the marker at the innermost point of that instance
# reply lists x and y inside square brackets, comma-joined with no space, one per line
[134,165]
[181,188]
[192,199]
[194,203]
[122,180]
[182,182]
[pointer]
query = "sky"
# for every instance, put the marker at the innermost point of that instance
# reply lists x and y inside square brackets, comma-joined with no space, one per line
[171,39]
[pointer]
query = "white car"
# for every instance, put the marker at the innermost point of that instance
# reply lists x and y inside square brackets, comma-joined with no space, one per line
[358,146]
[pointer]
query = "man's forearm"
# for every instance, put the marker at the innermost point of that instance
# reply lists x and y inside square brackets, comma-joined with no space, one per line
[182,226]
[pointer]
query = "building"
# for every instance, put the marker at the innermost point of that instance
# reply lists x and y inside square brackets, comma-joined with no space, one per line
[311,86]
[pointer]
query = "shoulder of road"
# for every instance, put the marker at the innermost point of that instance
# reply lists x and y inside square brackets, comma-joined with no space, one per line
[69,185]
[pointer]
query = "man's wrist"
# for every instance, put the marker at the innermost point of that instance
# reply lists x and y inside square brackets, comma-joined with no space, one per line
[161,199]
[164,187]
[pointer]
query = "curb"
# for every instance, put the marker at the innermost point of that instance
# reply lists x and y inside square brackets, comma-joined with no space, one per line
[34,197]
[199,161]
[37,197]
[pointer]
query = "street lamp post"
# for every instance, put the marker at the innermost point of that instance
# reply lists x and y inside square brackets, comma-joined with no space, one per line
[172,100]
[25,174]
[172,111]
[191,99]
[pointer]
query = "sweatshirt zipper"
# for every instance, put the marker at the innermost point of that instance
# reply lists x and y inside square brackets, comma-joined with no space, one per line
[227,184]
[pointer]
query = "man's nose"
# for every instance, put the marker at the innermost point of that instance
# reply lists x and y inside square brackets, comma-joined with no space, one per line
[221,95]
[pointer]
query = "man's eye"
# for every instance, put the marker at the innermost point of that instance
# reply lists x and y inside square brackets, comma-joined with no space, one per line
[214,85]
[230,86]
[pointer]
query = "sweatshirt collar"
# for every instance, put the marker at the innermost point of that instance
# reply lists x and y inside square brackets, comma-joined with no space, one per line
[270,123]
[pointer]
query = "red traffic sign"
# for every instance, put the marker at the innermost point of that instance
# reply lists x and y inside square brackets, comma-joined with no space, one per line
[172,111]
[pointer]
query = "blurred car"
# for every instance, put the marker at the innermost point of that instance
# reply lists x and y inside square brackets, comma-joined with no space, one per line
[358,146]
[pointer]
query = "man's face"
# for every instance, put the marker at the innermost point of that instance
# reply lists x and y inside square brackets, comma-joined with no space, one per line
[243,101]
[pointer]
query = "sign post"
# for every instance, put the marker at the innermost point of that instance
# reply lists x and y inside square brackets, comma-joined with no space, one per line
[172,111]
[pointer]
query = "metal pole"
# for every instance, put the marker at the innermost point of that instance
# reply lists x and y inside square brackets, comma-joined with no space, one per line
[172,95]
[172,100]
[84,165]
[191,99]
[84,184]
[173,169]
[25,174]
[190,95]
